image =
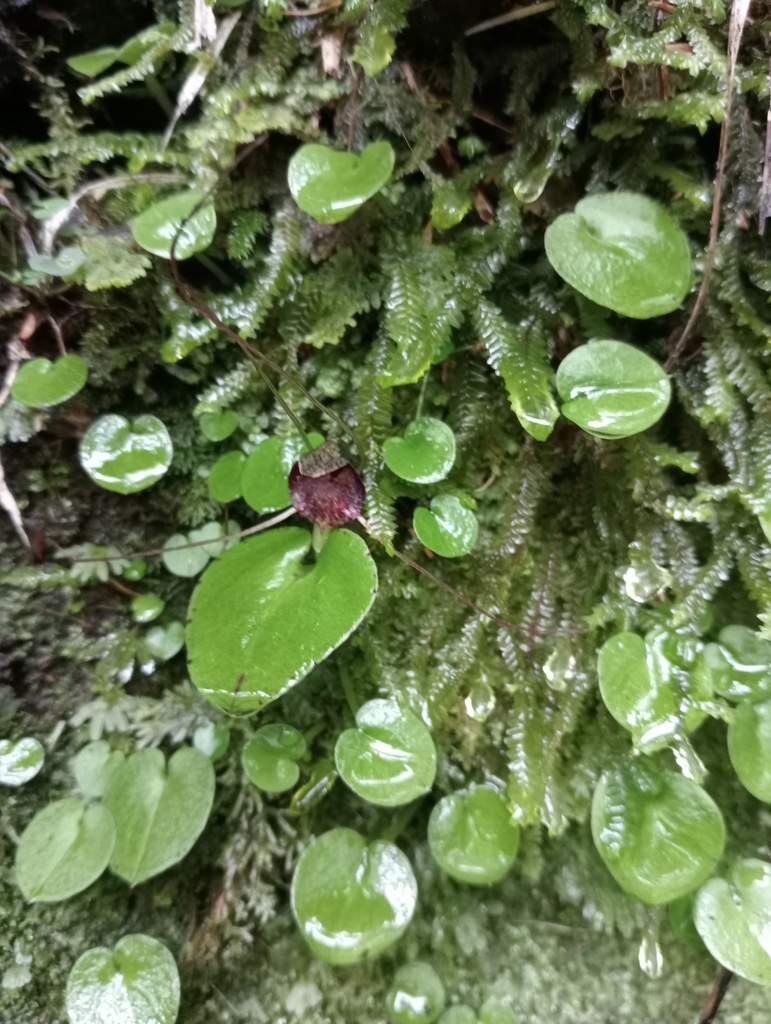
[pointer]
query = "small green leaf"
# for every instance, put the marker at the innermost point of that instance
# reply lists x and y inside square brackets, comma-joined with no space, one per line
[134,49]
[161,643]
[351,899]
[266,471]
[65,262]
[147,607]
[452,201]
[261,618]
[417,995]
[472,836]
[94,62]
[217,426]
[135,570]
[63,850]
[40,383]
[389,758]
[611,389]
[623,251]
[156,228]
[159,810]
[135,983]
[212,739]
[740,664]
[45,208]
[424,455]
[375,48]
[659,833]
[270,757]
[20,761]
[94,766]
[448,529]
[749,747]
[183,560]
[733,917]
[225,477]
[126,456]
[330,184]
[493,1012]
[323,777]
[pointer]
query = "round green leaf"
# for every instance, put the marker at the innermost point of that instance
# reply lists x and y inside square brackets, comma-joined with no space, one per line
[493,1012]
[183,560]
[135,983]
[161,643]
[125,456]
[260,618]
[225,477]
[217,426]
[64,263]
[680,914]
[659,834]
[159,810]
[611,389]
[749,747]
[472,836]
[417,995]
[147,607]
[389,758]
[448,528]
[740,664]
[265,473]
[270,757]
[63,850]
[624,251]
[351,899]
[733,917]
[41,383]
[331,184]
[156,227]
[424,455]
[93,767]
[135,570]
[212,739]
[20,761]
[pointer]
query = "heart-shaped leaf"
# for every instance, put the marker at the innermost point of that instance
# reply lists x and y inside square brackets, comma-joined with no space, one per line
[147,607]
[20,761]
[217,426]
[749,747]
[650,690]
[611,389]
[624,251]
[94,62]
[659,834]
[260,618]
[159,810]
[135,570]
[156,227]
[331,184]
[389,758]
[448,528]
[740,664]
[352,899]
[270,757]
[212,739]
[63,850]
[64,263]
[94,766]
[183,560]
[225,477]
[40,383]
[417,995]
[135,983]
[161,643]
[125,456]
[424,455]
[472,836]
[733,917]
[266,471]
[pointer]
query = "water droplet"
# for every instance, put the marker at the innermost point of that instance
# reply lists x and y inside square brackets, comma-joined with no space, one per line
[480,702]
[645,578]
[650,957]
[560,667]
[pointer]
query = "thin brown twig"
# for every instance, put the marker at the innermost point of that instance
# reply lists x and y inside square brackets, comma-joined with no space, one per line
[715,998]
[516,15]
[122,589]
[57,334]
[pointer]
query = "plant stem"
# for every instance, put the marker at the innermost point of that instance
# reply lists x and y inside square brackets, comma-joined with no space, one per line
[348,690]
[212,267]
[159,94]
[400,821]
[421,397]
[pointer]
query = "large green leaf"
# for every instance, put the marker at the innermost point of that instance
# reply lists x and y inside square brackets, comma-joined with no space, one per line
[125,456]
[159,810]
[733,917]
[41,383]
[262,617]
[156,227]
[331,184]
[473,837]
[94,766]
[20,761]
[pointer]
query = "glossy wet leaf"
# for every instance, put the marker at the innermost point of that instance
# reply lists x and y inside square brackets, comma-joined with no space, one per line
[136,982]
[389,758]
[135,570]
[161,643]
[156,227]
[64,263]
[63,850]
[147,608]
[740,664]
[680,913]
[330,184]
[659,833]
[217,426]
[261,617]
[622,250]
[416,996]
[352,899]
[733,917]
[94,766]
[424,455]
[225,477]
[270,757]
[472,836]
[20,760]
[452,200]
[611,389]
[749,747]
[95,61]
[124,455]
[212,739]
[448,528]
[266,471]
[311,793]
[159,809]
[40,383]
